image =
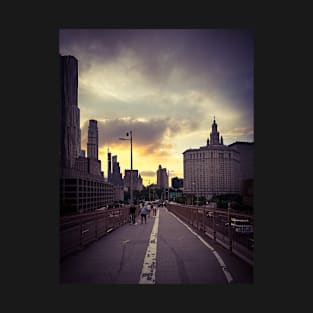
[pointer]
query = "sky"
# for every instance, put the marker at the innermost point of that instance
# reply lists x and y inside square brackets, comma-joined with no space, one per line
[164,85]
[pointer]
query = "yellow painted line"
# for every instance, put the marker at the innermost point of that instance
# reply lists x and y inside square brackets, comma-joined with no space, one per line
[147,275]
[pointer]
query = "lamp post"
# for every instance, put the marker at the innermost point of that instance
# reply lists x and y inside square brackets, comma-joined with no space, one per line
[131,163]
[229,228]
[168,174]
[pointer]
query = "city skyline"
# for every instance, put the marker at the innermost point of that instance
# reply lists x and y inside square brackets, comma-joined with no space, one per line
[165,86]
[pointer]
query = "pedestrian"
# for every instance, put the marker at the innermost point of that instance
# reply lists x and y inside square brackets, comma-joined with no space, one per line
[154,210]
[148,209]
[143,213]
[132,212]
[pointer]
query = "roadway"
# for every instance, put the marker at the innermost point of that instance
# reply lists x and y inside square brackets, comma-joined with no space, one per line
[163,251]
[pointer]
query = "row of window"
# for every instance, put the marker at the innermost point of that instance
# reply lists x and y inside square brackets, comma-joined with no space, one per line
[200,155]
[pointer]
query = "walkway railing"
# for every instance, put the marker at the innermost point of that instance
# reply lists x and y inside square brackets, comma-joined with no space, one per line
[77,231]
[216,224]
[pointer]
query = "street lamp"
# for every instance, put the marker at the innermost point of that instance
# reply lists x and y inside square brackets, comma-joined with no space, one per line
[131,163]
[168,174]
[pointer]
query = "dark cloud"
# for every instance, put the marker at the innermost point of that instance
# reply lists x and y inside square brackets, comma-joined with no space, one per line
[182,69]
[219,61]
[146,134]
[187,110]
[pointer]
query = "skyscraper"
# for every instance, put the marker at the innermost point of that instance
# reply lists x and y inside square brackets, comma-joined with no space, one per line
[136,183]
[109,167]
[162,177]
[116,172]
[92,144]
[82,185]
[94,165]
[70,115]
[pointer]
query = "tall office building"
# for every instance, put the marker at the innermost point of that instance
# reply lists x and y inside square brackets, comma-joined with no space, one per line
[162,177]
[92,144]
[109,166]
[82,185]
[70,115]
[116,177]
[92,148]
[136,180]
[213,169]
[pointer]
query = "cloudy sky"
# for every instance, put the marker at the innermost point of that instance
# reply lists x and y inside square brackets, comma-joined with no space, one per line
[166,86]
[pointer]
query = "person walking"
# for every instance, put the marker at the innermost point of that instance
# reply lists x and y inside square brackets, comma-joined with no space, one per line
[151,208]
[148,209]
[143,213]
[132,211]
[154,209]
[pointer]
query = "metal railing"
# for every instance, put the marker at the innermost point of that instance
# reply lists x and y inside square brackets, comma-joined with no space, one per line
[216,224]
[77,231]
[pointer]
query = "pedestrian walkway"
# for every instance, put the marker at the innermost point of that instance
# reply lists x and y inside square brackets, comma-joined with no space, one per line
[163,251]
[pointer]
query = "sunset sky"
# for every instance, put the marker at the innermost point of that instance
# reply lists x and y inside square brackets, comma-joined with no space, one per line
[166,86]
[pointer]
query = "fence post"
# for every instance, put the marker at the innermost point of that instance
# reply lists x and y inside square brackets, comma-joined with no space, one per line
[213,219]
[203,220]
[229,229]
[96,226]
[81,231]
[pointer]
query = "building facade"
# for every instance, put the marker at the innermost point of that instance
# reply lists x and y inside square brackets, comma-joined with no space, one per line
[70,114]
[82,185]
[140,184]
[213,169]
[162,177]
[177,183]
[137,180]
[109,166]
[115,177]
[246,150]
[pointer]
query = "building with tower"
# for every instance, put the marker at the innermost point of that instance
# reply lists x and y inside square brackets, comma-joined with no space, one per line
[213,169]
